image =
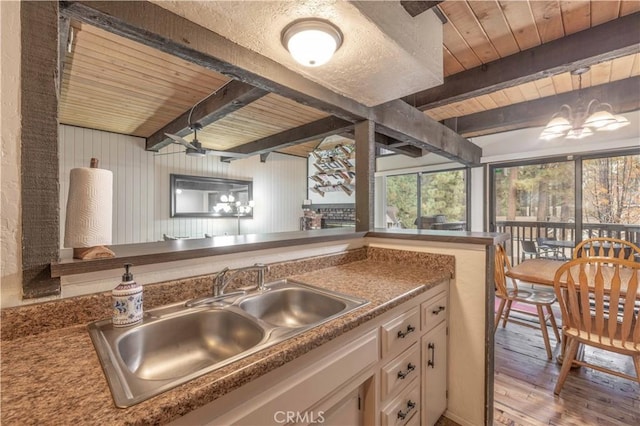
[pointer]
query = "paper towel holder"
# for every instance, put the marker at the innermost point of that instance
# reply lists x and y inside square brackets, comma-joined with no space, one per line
[94,252]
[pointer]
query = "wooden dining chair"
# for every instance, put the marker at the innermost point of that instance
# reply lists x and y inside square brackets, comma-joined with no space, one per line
[606,247]
[510,294]
[583,287]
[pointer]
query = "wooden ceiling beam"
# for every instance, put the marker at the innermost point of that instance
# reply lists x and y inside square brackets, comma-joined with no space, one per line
[384,141]
[232,97]
[315,130]
[156,27]
[415,8]
[400,121]
[621,94]
[399,147]
[604,42]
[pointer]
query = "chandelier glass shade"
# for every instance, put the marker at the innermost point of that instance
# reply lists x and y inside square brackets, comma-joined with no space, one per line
[581,122]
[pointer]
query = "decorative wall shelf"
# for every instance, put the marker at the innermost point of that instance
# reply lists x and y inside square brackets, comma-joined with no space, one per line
[335,170]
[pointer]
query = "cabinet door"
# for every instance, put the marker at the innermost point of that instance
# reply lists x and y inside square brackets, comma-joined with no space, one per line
[434,374]
[345,412]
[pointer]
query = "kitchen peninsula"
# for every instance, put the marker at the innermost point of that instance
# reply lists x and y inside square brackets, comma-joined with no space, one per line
[47,351]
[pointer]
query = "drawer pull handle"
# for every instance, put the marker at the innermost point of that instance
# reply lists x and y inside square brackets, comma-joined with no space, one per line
[432,356]
[437,311]
[403,374]
[403,414]
[403,334]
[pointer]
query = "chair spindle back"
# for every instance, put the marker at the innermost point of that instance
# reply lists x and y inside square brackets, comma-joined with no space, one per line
[602,304]
[502,265]
[606,247]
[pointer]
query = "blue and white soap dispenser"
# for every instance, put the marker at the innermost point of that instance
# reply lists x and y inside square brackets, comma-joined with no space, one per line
[127,301]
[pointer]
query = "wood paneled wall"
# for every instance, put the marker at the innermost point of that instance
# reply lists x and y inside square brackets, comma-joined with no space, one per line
[141,186]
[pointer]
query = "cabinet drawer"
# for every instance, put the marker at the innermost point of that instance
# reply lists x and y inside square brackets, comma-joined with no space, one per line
[434,311]
[403,408]
[400,371]
[399,333]
[414,420]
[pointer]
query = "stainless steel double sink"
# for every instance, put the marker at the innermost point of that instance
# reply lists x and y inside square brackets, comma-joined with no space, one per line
[175,344]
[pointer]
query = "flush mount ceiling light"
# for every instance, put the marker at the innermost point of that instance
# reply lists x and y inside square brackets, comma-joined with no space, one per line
[311,42]
[581,121]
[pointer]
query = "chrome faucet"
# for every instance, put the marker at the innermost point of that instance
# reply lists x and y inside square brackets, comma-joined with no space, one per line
[224,278]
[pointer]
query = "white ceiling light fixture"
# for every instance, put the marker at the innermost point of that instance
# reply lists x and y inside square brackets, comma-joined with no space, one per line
[311,41]
[581,122]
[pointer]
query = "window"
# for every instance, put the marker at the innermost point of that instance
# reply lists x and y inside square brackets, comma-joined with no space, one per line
[611,190]
[535,193]
[444,193]
[611,197]
[570,200]
[402,200]
[428,200]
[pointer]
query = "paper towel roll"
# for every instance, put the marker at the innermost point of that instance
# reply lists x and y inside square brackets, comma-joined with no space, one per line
[89,208]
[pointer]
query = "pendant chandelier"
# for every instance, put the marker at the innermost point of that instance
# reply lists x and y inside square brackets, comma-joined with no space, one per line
[581,122]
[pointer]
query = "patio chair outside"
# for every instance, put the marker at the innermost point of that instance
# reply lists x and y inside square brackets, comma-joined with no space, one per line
[530,249]
[554,252]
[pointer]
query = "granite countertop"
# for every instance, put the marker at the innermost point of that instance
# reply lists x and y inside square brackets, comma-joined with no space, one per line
[56,377]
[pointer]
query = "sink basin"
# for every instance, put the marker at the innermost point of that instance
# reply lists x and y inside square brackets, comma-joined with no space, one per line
[293,307]
[179,346]
[176,343]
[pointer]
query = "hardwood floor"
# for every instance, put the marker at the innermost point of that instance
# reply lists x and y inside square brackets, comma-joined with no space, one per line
[524,382]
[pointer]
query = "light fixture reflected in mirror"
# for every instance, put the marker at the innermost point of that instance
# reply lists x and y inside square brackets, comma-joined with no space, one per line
[244,209]
[581,122]
[202,196]
[312,41]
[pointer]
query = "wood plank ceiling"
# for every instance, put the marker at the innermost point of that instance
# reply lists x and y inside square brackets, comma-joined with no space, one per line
[480,32]
[117,85]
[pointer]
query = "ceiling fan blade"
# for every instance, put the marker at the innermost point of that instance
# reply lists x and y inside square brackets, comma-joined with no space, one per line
[224,153]
[179,140]
[168,153]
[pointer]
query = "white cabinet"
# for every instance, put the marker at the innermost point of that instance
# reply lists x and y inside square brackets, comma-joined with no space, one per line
[414,346]
[435,312]
[434,374]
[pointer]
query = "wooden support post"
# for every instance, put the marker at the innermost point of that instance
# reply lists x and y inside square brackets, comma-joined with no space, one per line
[39,145]
[365,168]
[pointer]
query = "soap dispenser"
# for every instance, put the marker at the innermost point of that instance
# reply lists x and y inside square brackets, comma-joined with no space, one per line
[127,301]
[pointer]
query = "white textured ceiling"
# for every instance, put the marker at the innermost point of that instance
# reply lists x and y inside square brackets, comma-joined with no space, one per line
[386,54]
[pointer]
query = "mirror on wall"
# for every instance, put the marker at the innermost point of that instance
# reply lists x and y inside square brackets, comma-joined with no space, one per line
[201,196]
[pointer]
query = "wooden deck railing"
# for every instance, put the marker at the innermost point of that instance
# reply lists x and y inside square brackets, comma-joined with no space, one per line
[561,231]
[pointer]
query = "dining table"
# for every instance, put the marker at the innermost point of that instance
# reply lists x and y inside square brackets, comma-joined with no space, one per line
[542,271]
